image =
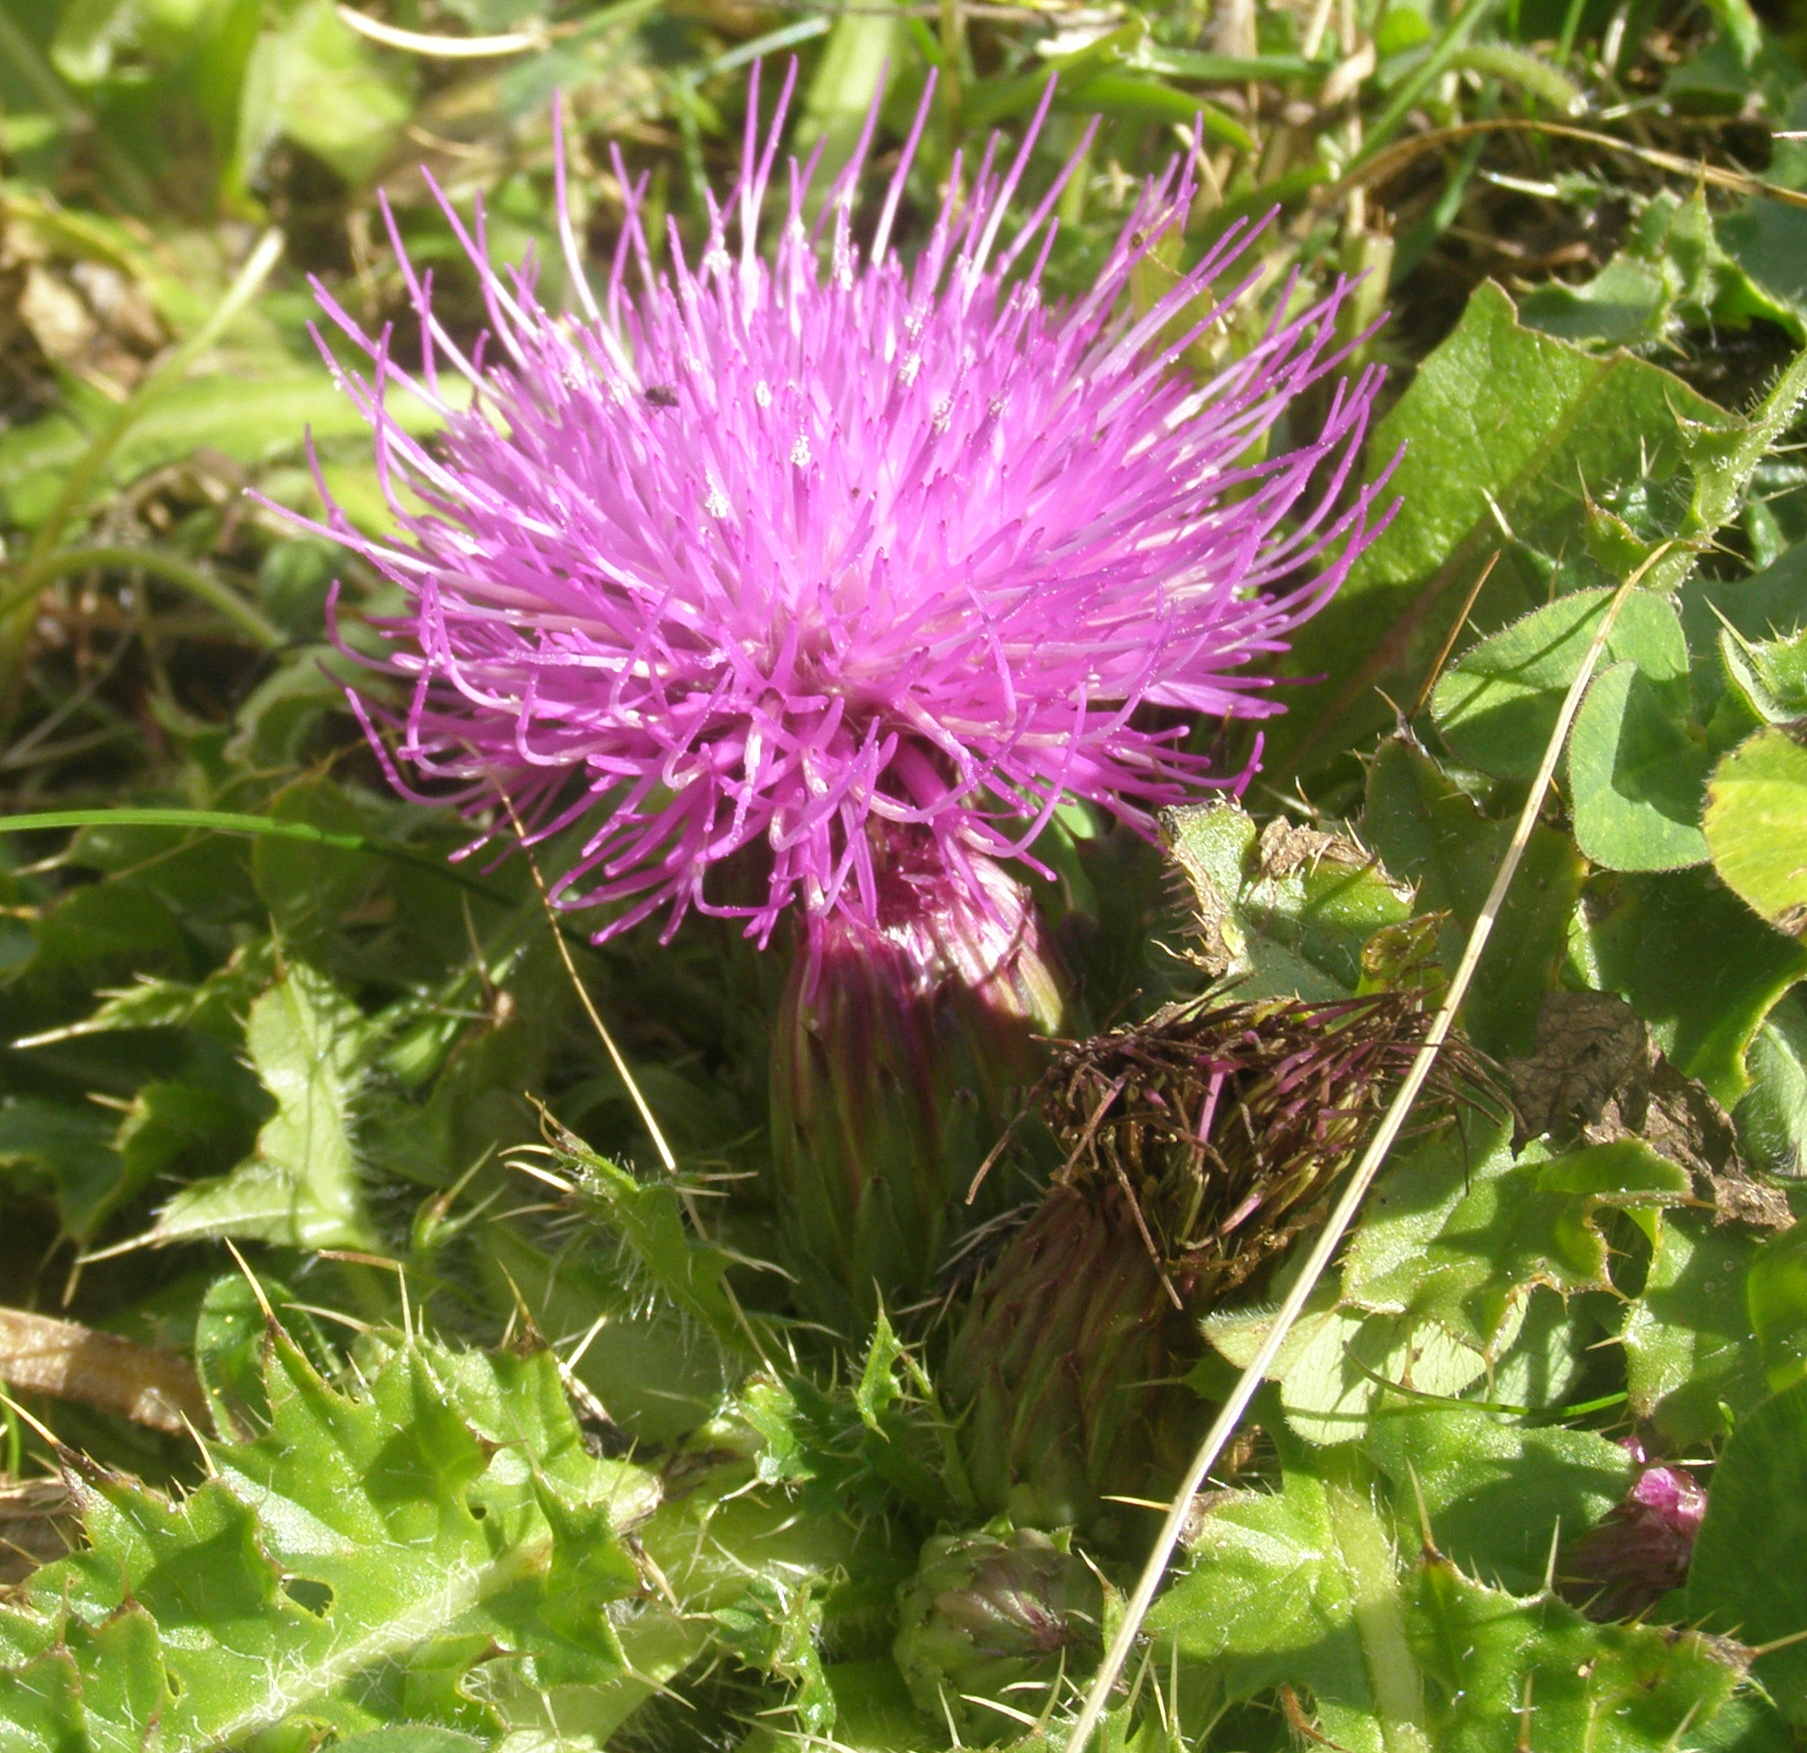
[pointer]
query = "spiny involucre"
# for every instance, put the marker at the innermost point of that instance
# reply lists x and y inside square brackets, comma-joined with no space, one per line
[825,556]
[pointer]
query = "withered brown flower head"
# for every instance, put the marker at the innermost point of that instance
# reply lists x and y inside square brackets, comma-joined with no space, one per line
[1221,1121]
[1199,1143]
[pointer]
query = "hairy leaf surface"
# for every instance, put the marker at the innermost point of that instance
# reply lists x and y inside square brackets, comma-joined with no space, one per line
[348,1568]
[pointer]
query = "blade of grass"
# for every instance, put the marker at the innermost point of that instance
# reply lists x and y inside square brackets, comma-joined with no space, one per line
[535,37]
[1371,167]
[1435,64]
[22,60]
[642,1107]
[234,822]
[203,586]
[1330,1238]
[667,1157]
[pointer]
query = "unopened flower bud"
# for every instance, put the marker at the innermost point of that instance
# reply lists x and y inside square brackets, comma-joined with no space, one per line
[1628,1562]
[991,1624]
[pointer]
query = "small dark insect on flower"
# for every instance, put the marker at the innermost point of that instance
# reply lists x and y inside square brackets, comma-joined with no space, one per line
[926,544]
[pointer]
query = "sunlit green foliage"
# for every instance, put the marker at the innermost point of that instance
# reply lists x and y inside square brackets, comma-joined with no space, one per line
[518,1433]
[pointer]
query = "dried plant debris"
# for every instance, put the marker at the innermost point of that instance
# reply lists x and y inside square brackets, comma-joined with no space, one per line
[1222,1121]
[1285,846]
[150,1387]
[1595,1076]
[1589,1069]
[35,1516]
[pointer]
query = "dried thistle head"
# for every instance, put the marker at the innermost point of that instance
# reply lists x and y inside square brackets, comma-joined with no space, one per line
[1198,1144]
[1224,1124]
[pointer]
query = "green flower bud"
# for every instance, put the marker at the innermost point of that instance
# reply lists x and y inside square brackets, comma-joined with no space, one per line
[990,1626]
[1063,1365]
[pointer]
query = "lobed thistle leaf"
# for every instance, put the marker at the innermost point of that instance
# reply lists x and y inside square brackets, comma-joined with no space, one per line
[308,1041]
[349,1568]
[1322,1586]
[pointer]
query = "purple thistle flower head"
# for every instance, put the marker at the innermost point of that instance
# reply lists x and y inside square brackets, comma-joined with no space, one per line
[786,555]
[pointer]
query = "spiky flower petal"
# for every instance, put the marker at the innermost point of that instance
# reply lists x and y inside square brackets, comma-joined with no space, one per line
[762,553]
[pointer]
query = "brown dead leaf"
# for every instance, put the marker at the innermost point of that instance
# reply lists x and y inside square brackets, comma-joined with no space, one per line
[150,1387]
[1595,1077]
[35,1515]
[1592,1055]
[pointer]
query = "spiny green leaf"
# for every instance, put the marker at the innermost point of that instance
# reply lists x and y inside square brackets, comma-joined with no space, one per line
[1518,473]
[1690,1358]
[1430,833]
[873,1713]
[1766,237]
[1496,1489]
[1335,1364]
[1535,1223]
[1770,675]
[778,1630]
[346,1568]
[410,1738]
[1437,1279]
[1497,705]
[231,1329]
[657,1372]
[1493,1662]
[1269,1598]
[305,1039]
[214,1004]
[1756,1506]
[1693,961]
[1312,1586]
[1672,273]
[648,1217]
[1636,776]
